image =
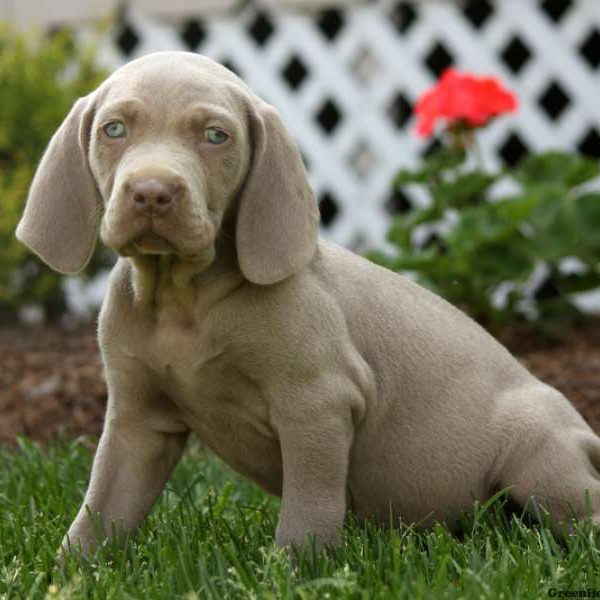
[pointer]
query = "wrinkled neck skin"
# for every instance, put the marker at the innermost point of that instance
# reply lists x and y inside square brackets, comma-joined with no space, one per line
[170,283]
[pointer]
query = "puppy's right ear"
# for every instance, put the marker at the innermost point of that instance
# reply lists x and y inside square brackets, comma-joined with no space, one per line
[60,220]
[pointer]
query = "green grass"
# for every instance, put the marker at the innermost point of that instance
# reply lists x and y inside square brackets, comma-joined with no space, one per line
[211,536]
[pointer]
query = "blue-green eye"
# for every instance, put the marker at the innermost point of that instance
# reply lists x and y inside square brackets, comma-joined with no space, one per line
[114,129]
[215,136]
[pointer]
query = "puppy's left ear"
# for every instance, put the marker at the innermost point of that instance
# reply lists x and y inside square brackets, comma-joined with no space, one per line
[278,217]
[61,216]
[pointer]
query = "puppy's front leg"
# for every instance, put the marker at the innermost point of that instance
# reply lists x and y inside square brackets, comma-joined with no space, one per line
[138,449]
[315,466]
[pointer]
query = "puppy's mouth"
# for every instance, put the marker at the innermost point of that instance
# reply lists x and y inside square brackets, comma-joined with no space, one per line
[145,237]
[150,242]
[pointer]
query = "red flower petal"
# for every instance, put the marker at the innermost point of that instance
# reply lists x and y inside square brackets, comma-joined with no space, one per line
[462,97]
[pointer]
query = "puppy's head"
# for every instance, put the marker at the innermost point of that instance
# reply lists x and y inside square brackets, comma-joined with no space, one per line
[157,157]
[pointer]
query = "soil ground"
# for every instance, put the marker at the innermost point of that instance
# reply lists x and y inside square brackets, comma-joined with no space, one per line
[51,382]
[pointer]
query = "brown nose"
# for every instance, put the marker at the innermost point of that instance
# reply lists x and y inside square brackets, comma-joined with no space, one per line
[154,196]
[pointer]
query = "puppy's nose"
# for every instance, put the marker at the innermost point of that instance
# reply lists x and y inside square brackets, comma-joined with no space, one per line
[154,196]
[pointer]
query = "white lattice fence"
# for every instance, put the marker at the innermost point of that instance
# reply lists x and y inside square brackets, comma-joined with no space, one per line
[345,82]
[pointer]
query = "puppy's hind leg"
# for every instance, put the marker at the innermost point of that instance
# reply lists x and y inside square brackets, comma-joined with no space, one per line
[557,471]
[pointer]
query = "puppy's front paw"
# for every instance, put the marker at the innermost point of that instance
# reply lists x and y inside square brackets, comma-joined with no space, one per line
[71,547]
[83,539]
[306,537]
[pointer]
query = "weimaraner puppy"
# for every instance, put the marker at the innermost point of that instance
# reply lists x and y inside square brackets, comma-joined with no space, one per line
[325,379]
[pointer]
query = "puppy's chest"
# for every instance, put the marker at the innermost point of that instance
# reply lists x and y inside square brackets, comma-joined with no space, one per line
[225,408]
[196,366]
[178,350]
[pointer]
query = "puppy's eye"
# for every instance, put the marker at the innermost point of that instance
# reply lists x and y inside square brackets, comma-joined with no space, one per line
[215,136]
[114,129]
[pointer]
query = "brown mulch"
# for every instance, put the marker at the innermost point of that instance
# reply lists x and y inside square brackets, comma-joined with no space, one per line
[51,382]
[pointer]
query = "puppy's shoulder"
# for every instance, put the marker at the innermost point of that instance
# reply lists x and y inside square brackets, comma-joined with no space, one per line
[299,315]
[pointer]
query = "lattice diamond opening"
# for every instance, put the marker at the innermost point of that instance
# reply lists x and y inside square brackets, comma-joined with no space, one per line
[261,29]
[548,289]
[398,202]
[590,143]
[193,34]
[399,110]
[554,100]
[432,146]
[438,59]
[478,12]
[127,39]
[590,48]
[402,16]
[294,72]
[328,208]
[556,9]
[229,64]
[330,23]
[515,54]
[513,150]
[329,116]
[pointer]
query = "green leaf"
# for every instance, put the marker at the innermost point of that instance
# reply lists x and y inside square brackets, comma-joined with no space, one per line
[403,225]
[433,167]
[445,158]
[561,168]
[405,176]
[379,258]
[467,189]
[578,282]
[566,225]
[420,260]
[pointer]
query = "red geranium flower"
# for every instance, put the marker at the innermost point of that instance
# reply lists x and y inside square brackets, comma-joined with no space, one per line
[465,98]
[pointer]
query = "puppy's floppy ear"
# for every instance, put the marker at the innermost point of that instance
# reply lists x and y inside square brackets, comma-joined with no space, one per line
[278,218]
[60,220]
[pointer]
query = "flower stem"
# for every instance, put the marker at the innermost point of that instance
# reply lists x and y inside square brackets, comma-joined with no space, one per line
[478,154]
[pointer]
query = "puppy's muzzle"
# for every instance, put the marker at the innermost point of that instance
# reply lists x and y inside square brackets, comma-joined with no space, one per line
[154,196]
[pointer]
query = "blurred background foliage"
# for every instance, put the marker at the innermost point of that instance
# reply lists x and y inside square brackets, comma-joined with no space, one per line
[488,247]
[40,78]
